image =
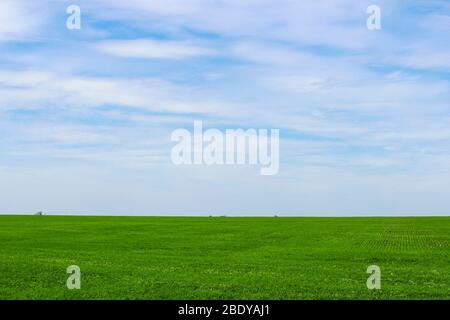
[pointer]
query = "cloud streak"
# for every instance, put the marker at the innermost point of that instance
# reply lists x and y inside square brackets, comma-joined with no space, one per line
[152,49]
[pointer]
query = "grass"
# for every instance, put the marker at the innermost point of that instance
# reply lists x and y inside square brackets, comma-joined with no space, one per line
[224,258]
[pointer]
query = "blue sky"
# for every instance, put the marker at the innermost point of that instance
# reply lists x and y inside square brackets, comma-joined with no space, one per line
[86,115]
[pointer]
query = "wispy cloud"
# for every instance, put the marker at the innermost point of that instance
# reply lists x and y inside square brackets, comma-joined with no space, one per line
[21,20]
[152,49]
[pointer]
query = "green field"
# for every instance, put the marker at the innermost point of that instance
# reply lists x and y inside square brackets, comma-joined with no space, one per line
[224,257]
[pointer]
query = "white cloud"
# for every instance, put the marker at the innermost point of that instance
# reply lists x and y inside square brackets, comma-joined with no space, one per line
[421,58]
[31,89]
[20,20]
[152,49]
[341,23]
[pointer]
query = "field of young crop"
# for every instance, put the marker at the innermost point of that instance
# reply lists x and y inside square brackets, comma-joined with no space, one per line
[224,257]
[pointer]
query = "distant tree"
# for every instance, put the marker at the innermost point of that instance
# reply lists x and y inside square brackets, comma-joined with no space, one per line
[39,213]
